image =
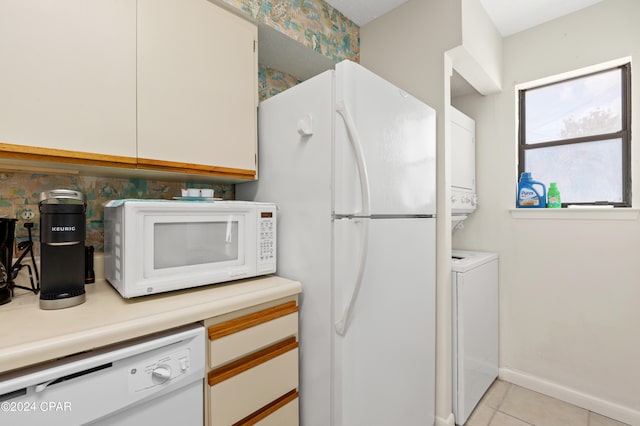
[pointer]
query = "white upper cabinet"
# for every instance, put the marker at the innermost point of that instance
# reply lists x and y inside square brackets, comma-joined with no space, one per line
[162,84]
[197,86]
[67,75]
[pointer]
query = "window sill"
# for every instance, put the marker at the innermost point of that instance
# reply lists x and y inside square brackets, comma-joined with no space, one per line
[584,213]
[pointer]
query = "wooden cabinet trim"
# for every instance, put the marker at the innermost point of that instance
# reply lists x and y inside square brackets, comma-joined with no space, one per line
[242,323]
[268,409]
[33,153]
[240,366]
[172,166]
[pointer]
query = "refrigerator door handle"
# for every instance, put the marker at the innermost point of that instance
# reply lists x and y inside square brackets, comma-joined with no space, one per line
[354,138]
[341,326]
[352,131]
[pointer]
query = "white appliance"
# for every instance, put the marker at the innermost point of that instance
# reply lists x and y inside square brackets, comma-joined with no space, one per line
[157,380]
[463,167]
[152,246]
[475,328]
[350,160]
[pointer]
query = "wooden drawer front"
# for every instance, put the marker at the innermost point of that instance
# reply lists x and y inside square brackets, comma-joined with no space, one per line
[241,336]
[284,411]
[288,415]
[244,387]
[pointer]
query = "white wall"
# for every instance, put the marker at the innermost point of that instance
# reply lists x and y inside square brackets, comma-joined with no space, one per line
[479,58]
[570,288]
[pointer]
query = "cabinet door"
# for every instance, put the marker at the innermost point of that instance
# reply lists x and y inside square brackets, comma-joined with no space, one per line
[197,87]
[67,79]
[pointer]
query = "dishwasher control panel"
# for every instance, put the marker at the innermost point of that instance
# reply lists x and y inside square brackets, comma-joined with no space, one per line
[159,370]
[156,379]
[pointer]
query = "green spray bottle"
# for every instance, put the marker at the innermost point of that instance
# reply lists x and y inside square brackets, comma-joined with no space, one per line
[554,197]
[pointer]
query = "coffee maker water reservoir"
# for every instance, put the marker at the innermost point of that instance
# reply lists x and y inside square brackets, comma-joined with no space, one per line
[62,251]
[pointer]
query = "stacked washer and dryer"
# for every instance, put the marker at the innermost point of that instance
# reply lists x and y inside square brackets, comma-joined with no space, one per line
[474,279]
[463,168]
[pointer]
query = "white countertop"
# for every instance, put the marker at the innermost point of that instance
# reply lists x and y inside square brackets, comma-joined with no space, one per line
[30,335]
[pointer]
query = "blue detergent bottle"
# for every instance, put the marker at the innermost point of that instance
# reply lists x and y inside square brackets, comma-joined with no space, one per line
[531,194]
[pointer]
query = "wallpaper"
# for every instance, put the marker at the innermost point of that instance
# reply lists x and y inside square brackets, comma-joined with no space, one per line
[313,23]
[271,82]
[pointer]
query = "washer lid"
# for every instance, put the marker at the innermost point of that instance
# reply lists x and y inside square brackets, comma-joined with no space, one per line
[463,260]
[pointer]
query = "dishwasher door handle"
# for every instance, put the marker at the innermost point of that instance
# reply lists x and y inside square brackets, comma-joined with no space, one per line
[42,386]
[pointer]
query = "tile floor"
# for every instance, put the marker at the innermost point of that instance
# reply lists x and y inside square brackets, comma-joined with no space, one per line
[506,404]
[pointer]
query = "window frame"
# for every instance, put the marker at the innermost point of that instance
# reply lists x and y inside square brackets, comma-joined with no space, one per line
[624,134]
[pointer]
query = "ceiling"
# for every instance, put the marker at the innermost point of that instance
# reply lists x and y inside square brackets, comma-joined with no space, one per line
[509,16]
[513,16]
[363,11]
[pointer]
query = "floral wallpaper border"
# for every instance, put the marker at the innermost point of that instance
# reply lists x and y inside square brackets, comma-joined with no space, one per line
[314,23]
[272,81]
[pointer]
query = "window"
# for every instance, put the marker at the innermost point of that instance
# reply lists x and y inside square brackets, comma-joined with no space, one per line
[577,133]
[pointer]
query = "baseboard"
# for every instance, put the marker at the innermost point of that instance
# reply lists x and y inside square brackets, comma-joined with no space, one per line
[449,421]
[572,396]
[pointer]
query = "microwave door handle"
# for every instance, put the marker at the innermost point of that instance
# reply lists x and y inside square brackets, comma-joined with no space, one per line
[227,238]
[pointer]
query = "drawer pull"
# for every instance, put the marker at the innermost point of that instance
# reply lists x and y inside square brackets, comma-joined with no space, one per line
[268,409]
[242,323]
[233,369]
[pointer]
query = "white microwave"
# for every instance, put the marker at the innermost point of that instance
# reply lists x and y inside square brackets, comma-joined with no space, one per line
[153,246]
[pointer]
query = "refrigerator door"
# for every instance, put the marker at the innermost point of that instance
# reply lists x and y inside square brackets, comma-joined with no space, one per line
[295,131]
[398,135]
[385,363]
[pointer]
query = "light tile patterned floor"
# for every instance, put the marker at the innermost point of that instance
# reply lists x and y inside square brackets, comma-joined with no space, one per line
[506,404]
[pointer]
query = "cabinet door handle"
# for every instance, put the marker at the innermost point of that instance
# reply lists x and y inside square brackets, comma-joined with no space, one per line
[235,325]
[240,366]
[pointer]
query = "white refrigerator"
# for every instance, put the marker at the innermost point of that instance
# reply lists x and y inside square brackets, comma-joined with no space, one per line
[350,161]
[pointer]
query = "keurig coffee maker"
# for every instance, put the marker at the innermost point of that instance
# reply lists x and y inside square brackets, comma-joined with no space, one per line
[62,252]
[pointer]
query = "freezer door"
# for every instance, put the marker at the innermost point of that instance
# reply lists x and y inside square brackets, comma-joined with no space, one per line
[398,137]
[385,363]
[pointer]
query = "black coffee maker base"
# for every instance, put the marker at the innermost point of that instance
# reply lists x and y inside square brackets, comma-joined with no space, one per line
[66,302]
[5,295]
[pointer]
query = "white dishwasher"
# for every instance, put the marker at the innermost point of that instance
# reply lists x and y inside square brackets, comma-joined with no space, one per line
[156,380]
[475,327]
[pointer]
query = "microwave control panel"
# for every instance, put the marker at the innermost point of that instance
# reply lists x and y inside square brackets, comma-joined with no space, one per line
[266,240]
